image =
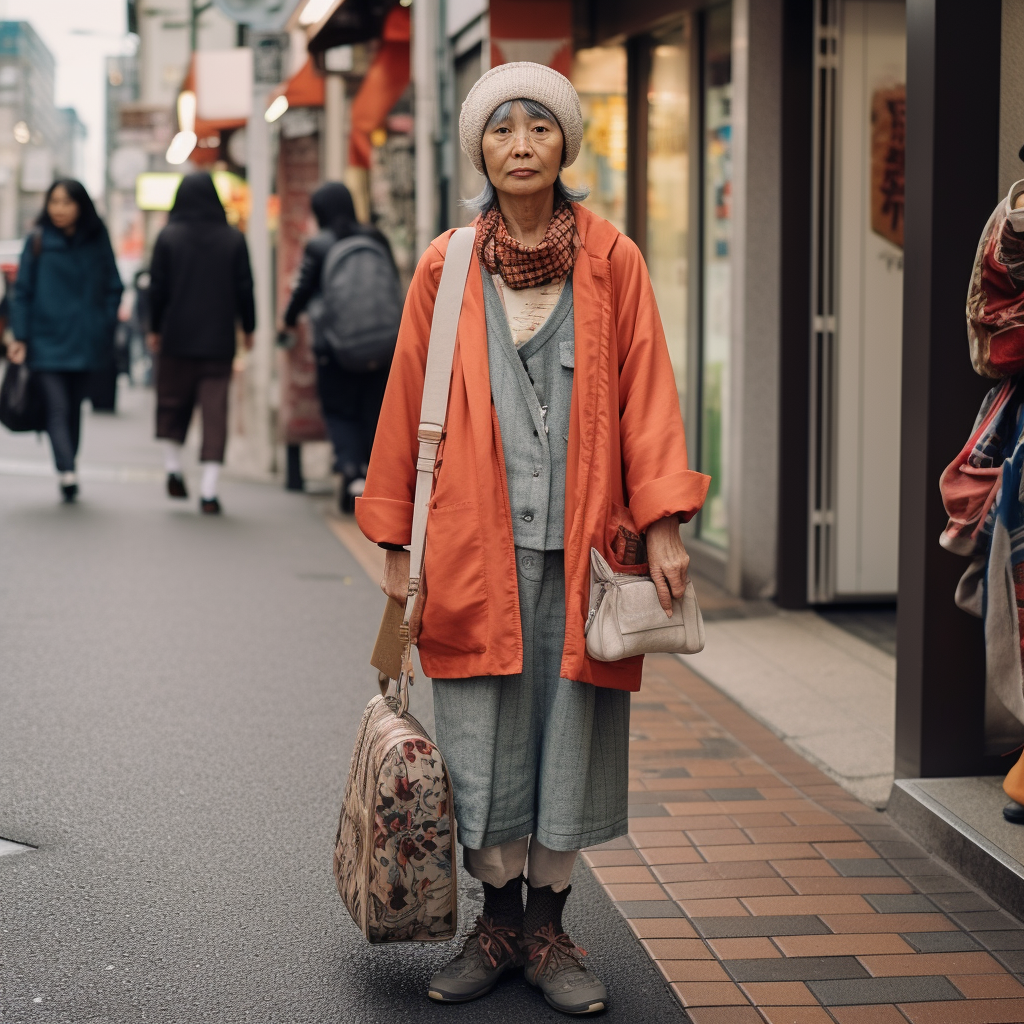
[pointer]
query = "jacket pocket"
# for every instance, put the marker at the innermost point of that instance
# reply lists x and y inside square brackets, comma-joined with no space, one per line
[455,610]
[626,548]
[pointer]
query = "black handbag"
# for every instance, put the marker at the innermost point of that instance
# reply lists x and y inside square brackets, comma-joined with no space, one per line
[22,406]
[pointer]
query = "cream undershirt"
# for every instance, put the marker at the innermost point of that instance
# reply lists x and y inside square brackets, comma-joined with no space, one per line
[527,308]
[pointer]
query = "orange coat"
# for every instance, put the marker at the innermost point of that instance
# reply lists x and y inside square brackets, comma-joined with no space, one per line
[626,461]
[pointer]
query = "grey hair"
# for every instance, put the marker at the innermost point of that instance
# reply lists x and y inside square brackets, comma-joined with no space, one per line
[488,196]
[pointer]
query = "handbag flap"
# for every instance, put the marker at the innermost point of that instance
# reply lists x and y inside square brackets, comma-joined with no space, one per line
[639,609]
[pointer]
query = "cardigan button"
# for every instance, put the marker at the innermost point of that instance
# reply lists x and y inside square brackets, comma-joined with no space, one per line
[527,517]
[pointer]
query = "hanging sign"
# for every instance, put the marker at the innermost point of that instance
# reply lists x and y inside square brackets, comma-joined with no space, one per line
[888,149]
[263,14]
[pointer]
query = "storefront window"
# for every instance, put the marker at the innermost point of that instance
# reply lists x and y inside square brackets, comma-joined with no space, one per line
[599,75]
[668,192]
[717,213]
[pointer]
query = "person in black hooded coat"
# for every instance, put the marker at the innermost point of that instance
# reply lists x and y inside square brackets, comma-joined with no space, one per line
[200,292]
[350,402]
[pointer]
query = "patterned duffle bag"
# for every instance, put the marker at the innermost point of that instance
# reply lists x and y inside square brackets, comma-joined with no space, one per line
[394,854]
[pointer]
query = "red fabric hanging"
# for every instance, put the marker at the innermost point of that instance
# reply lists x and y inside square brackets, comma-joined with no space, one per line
[384,83]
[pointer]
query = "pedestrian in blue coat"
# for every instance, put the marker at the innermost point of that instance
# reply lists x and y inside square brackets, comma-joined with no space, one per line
[64,313]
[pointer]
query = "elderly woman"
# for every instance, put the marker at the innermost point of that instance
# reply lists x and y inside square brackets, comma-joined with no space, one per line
[563,433]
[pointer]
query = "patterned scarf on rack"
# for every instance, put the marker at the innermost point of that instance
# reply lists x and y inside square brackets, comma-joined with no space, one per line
[527,266]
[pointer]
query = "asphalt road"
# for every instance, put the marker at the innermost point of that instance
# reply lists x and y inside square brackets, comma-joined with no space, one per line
[178,703]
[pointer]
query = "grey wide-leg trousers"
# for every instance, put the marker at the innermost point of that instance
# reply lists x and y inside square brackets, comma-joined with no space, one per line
[534,754]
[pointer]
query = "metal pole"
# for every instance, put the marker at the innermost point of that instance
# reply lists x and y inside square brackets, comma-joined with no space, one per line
[257,134]
[425,19]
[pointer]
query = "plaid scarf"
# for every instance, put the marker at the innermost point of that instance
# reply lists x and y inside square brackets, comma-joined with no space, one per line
[527,266]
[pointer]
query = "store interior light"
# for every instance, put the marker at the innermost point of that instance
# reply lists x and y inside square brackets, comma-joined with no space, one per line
[187,111]
[276,109]
[314,11]
[22,133]
[181,147]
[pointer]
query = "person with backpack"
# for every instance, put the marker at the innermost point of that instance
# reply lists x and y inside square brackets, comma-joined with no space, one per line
[64,313]
[200,292]
[563,434]
[348,283]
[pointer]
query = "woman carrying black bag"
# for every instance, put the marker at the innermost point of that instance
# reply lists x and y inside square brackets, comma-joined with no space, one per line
[64,313]
[350,401]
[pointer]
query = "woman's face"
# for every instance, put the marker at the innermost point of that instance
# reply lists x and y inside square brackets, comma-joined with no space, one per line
[523,154]
[62,209]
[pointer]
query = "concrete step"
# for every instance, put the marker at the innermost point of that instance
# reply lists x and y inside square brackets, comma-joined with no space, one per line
[961,822]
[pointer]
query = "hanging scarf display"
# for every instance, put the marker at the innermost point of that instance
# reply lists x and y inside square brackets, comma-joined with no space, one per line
[983,488]
[527,266]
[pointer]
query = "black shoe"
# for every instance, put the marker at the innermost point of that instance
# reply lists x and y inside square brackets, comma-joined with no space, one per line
[1013,812]
[554,963]
[491,950]
[346,503]
[70,493]
[209,506]
[176,486]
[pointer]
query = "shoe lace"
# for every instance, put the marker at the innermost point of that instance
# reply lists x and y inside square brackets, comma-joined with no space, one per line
[493,940]
[554,949]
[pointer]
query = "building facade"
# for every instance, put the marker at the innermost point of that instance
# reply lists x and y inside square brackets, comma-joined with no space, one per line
[38,141]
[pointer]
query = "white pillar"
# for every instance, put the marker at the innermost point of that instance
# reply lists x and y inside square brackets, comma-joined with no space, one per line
[335,134]
[258,427]
[425,19]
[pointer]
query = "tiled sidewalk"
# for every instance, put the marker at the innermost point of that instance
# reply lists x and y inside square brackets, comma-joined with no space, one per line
[765,893]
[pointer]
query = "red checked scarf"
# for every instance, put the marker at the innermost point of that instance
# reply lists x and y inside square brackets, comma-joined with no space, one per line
[527,266]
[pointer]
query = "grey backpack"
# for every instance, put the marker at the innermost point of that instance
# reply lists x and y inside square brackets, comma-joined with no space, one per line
[357,313]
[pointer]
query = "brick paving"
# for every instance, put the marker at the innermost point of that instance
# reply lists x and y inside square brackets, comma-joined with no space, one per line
[766,894]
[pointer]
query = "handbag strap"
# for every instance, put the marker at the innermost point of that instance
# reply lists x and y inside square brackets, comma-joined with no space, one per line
[437,379]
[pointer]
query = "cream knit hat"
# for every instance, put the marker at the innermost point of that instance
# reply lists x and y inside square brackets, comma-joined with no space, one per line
[520,80]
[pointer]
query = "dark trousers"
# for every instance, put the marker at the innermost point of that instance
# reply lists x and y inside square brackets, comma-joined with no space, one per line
[64,391]
[180,384]
[351,406]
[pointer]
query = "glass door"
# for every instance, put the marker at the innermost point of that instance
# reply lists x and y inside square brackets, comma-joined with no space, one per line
[668,187]
[716,271]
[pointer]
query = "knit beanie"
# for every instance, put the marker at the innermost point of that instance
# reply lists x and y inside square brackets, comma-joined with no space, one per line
[520,80]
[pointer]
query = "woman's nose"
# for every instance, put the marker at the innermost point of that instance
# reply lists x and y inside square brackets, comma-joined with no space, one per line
[521,145]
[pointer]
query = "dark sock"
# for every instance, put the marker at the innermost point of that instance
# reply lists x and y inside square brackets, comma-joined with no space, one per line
[544,906]
[505,905]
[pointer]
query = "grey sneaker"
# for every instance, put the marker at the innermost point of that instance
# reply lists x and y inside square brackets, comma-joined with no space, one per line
[490,951]
[555,965]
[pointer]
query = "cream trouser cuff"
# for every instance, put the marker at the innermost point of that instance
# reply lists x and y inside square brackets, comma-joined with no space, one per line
[497,865]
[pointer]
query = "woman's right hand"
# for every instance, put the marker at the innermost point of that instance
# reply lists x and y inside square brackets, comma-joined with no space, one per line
[396,575]
[396,585]
[16,352]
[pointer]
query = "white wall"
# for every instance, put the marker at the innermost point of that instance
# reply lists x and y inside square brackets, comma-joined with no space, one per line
[870,313]
[1011,99]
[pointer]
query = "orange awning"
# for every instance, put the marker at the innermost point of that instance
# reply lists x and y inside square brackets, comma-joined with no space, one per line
[304,89]
[384,83]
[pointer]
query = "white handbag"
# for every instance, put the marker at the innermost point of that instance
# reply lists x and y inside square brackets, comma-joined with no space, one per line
[626,617]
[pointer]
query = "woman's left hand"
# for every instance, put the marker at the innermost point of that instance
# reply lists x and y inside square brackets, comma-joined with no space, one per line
[667,560]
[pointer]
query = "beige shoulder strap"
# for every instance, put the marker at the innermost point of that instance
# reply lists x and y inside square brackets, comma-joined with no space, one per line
[437,381]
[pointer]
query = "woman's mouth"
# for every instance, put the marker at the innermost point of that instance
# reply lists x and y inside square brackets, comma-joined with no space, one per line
[522,172]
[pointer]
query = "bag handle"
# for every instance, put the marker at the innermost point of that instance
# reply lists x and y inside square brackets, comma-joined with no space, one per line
[437,380]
